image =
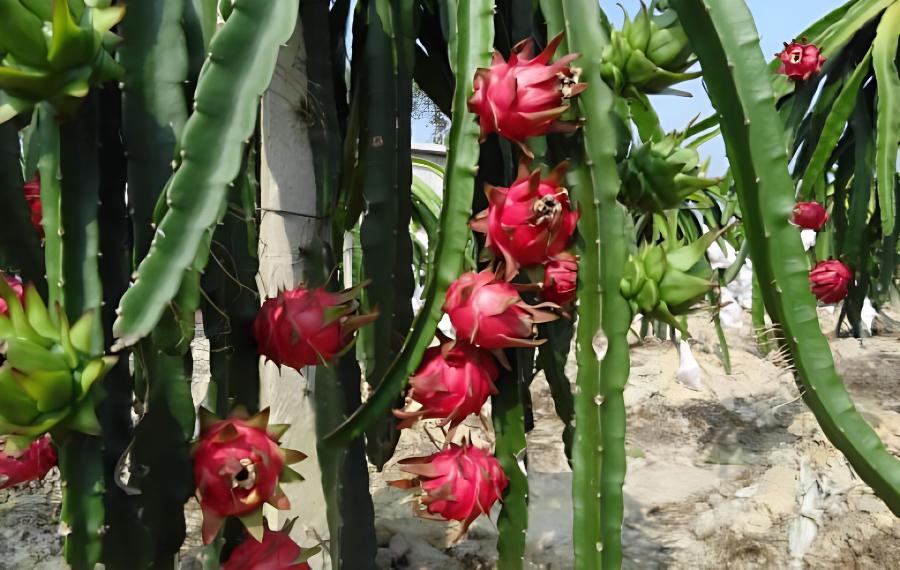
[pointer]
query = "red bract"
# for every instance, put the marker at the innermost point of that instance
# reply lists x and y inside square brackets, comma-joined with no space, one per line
[800,60]
[560,280]
[460,483]
[453,381]
[31,465]
[529,222]
[830,280]
[276,551]
[810,215]
[237,466]
[490,313]
[306,327]
[16,284]
[33,197]
[524,97]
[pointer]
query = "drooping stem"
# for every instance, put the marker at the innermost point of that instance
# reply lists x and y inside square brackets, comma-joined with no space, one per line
[726,41]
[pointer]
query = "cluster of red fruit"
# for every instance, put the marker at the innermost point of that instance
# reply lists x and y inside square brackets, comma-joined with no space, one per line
[830,279]
[529,224]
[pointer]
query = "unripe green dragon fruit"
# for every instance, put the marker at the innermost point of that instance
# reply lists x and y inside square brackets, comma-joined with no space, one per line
[50,367]
[54,51]
[664,282]
[649,54]
[661,174]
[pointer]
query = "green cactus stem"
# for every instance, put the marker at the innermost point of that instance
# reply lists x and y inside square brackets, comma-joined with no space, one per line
[385,162]
[727,43]
[508,414]
[470,48]
[601,130]
[884,61]
[51,202]
[20,246]
[239,67]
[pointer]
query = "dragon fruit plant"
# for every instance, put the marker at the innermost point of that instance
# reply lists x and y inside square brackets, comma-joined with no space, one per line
[130,169]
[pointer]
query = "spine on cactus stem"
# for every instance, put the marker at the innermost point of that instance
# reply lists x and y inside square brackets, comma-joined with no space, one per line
[587,36]
[385,158]
[20,245]
[726,41]
[81,455]
[471,34]
[238,69]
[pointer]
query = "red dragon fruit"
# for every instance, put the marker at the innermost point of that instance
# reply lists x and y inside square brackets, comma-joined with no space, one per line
[306,327]
[529,222]
[800,60]
[490,313]
[32,465]
[830,280]
[33,197]
[810,215]
[453,382]
[560,279]
[276,551]
[460,483]
[16,284]
[237,468]
[525,96]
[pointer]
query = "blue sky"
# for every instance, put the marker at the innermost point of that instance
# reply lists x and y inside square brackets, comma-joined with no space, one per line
[777,20]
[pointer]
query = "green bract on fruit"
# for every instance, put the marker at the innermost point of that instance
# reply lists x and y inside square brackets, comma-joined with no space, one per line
[646,57]
[55,51]
[659,175]
[50,367]
[663,283]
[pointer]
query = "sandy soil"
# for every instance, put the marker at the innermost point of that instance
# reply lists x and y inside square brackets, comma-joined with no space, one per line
[734,475]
